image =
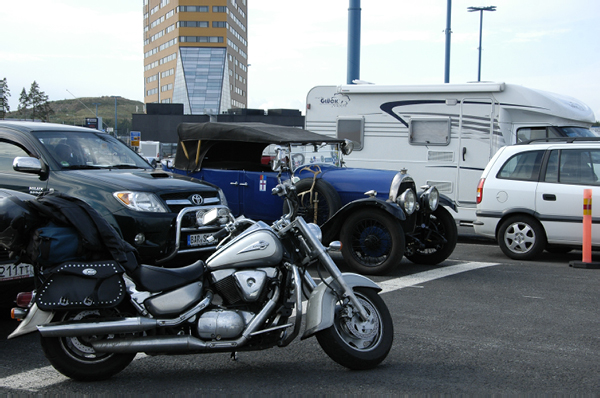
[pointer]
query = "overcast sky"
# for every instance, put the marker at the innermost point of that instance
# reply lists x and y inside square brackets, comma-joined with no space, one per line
[87,48]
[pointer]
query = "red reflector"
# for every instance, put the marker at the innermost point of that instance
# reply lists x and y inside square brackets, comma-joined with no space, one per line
[480,190]
[24,298]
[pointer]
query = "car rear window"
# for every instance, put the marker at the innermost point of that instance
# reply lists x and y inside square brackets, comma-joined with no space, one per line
[524,166]
[573,166]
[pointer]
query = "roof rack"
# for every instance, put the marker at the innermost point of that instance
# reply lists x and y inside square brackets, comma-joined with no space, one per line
[567,140]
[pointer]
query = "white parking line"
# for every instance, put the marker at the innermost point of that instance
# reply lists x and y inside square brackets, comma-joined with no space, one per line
[36,379]
[413,280]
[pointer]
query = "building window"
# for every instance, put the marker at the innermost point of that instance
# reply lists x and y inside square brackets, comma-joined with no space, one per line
[201,39]
[166,101]
[167,87]
[219,24]
[219,9]
[192,24]
[192,9]
[152,78]
[152,92]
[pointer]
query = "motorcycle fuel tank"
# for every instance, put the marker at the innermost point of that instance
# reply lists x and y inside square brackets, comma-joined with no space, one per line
[258,246]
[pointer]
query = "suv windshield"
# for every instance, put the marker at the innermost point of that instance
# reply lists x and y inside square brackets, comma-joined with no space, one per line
[88,150]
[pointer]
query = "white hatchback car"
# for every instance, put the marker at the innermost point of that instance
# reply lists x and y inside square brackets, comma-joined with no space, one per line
[530,196]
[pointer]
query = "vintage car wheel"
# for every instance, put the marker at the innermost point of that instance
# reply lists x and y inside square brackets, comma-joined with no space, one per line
[441,224]
[328,201]
[372,242]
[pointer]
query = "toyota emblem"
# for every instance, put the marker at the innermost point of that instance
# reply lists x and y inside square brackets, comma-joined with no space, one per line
[197,199]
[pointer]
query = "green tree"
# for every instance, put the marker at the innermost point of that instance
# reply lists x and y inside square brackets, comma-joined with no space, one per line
[4,94]
[41,109]
[24,103]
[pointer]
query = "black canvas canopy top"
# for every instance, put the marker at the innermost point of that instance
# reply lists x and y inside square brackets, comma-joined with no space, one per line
[233,145]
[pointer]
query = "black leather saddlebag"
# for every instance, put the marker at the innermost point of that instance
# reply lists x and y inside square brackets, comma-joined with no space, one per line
[81,285]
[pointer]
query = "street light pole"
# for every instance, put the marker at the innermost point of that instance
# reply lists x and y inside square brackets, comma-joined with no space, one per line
[481,10]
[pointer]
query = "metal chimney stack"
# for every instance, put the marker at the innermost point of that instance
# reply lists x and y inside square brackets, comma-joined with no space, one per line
[353,41]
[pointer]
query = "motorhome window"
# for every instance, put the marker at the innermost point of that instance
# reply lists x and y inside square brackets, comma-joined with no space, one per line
[524,166]
[575,132]
[429,131]
[352,129]
[532,133]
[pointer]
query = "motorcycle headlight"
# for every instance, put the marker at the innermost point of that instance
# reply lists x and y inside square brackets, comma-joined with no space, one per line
[315,230]
[140,201]
[431,198]
[408,201]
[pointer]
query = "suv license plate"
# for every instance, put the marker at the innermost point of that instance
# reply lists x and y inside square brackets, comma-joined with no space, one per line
[11,271]
[198,240]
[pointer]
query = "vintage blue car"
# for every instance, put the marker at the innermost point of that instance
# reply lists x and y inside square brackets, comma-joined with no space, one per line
[378,215]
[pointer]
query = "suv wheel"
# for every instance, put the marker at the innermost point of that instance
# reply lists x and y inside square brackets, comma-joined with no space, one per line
[521,237]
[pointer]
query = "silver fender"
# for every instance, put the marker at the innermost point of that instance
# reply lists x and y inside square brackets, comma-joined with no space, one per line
[321,303]
[35,317]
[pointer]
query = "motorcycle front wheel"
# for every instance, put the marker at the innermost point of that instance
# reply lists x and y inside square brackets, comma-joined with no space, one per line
[355,344]
[75,358]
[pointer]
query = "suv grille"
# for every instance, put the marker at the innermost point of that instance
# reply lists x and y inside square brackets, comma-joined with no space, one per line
[180,200]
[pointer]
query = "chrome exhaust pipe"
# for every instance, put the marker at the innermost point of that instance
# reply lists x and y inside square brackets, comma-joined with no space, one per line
[151,345]
[124,325]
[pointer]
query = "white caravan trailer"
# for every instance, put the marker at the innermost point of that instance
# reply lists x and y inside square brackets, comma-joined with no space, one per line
[444,135]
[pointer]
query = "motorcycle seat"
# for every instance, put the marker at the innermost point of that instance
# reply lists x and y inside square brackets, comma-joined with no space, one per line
[157,279]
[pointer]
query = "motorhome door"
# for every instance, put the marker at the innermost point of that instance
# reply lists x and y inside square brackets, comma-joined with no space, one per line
[476,129]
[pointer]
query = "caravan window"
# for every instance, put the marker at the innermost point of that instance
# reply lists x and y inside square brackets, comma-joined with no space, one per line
[352,129]
[429,131]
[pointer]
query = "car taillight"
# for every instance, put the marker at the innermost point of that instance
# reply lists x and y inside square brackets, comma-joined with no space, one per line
[480,190]
[23,299]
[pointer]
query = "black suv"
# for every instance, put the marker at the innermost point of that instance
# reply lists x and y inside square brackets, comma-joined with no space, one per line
[159,213]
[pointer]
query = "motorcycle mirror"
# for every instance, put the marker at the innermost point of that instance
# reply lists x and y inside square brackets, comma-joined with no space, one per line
[281,159]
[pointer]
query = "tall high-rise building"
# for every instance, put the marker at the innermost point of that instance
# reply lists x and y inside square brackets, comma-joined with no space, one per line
[196,53]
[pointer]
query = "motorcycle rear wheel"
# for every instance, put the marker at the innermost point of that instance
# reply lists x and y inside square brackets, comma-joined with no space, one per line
[75,358]
[355,344]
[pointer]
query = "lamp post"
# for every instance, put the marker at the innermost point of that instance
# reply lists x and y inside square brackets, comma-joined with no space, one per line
[481,10]
[115,132]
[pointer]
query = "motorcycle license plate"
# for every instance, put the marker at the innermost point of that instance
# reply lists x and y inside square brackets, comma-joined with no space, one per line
[198,240]
[11,271]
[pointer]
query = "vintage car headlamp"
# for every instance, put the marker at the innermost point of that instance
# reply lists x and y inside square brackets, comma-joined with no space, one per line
[431,198]
[408,201]
[315,230]
[347,147]
[140,201]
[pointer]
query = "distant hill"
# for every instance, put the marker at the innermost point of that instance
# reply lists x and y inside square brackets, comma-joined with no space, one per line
[74,111]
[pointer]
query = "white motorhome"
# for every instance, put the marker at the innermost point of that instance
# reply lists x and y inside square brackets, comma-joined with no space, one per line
[444,135]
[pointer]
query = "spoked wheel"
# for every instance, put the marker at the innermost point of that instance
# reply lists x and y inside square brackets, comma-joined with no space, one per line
[358,344]
[74,356]
[372,242]
[318,206]
[439,236]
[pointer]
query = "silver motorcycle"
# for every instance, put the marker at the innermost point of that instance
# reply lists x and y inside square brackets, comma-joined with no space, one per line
[94,317]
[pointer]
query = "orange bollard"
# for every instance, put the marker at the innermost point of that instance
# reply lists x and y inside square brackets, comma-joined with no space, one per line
[586,261]
[587,226]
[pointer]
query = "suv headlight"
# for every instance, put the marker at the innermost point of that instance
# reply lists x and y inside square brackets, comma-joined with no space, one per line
[140,201]
[222,197]
[408,201]
[431,198]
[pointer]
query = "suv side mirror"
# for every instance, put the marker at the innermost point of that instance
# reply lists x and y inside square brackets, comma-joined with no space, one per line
[27,165]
